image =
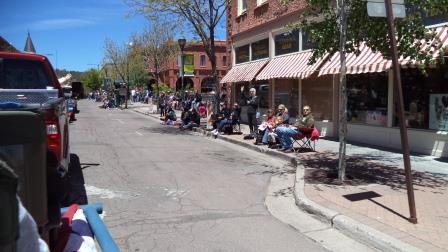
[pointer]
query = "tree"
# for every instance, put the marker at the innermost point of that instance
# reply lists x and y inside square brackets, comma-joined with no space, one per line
[327,30]
[138,70]
[117,56]
[203,16]
[158,47]
[92,79]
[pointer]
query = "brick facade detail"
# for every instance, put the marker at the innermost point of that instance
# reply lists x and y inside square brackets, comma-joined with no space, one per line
[170,75]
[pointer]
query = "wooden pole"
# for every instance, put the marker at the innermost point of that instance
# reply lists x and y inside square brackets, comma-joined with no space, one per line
[401,118]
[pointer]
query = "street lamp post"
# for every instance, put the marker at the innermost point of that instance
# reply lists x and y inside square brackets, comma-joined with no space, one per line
[182,43]
[130,44]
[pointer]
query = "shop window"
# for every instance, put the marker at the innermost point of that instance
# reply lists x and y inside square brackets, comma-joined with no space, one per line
[287,92]
[262,88]
[242,6]
[318,94]
[287,42]
[242,54]
[260,49]
[202,61]
[425,99]
[367,98]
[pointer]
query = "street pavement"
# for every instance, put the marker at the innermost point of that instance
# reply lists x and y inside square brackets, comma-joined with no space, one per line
[375,196]
[166,190]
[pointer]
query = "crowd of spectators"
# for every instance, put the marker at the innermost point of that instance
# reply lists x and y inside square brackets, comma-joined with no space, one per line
[274,128]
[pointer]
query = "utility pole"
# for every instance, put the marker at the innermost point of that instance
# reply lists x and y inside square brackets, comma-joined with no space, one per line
[401,118]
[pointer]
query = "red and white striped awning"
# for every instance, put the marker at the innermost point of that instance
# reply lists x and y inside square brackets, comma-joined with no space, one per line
[293,66]
[244,72]
[370,62]
[434,47]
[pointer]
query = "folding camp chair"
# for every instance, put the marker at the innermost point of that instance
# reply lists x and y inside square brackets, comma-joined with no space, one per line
[307,139]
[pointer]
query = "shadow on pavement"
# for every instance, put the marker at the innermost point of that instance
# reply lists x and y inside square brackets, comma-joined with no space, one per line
[87,165]
[77,190]
[321,168]
[165,130]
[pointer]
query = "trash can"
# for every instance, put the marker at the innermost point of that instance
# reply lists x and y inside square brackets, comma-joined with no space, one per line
[23,148]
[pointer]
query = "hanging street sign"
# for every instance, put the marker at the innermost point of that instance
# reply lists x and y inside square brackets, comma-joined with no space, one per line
[377,8]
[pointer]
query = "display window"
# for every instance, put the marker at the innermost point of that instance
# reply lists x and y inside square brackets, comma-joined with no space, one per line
[318,94]
[287,92]
[260,49]
[425,98]
[242,54]
[367,96]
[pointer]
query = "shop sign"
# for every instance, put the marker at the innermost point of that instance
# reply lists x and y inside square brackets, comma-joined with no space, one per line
[377,8]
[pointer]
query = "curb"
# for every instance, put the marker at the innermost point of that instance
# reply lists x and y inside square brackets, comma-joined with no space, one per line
[348,226]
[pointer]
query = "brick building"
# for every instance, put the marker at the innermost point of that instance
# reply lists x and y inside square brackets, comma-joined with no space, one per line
[198,69]
[267,56]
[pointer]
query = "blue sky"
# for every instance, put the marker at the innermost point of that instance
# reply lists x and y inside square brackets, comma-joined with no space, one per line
[74,30]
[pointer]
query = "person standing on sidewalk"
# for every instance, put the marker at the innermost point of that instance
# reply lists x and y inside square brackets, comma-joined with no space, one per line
[252,107]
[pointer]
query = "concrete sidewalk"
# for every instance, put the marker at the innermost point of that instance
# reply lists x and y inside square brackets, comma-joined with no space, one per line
[372,205]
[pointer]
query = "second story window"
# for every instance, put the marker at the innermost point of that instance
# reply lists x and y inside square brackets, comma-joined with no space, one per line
[260,49]
[242,6]
[242,54]
[224,60]
[287,43]
[202,61]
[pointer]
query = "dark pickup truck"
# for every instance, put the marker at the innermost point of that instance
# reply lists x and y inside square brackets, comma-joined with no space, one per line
[28,82]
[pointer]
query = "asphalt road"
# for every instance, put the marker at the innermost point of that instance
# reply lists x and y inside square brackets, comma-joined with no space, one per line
[165,190]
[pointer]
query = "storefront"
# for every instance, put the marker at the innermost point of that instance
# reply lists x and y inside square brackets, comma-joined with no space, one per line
[372,117]
[285,77]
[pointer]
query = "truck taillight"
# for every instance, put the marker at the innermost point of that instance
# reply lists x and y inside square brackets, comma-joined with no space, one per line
[54,139]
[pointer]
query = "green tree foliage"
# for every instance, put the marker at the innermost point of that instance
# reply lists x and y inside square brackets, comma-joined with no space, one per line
[138,70]
[92,79]
[320,22]
[163,88]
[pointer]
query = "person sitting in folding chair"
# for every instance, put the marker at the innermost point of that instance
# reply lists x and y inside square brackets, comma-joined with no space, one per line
[300,127]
